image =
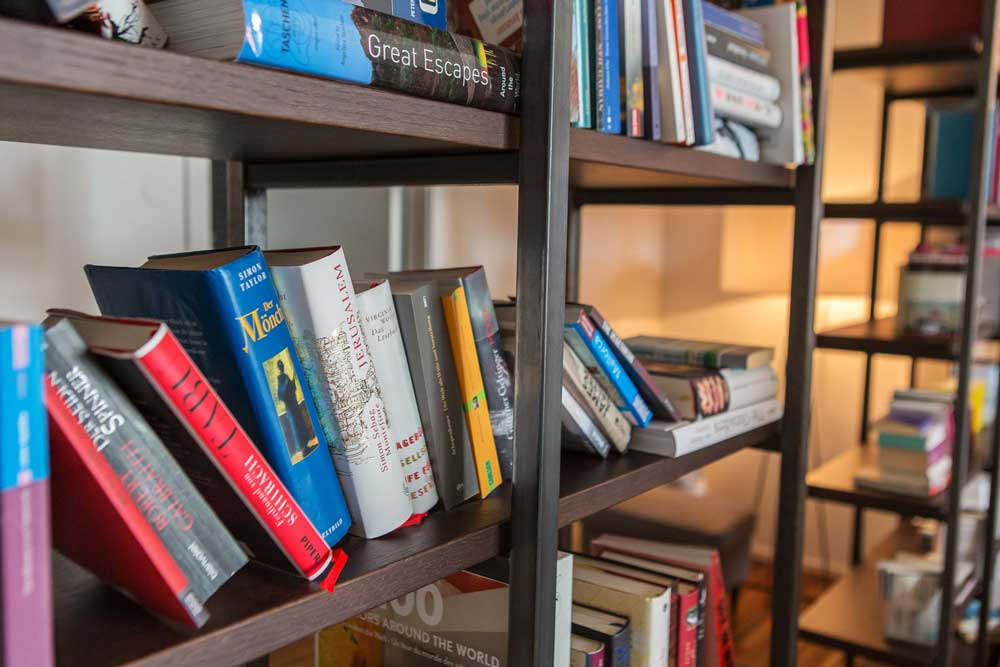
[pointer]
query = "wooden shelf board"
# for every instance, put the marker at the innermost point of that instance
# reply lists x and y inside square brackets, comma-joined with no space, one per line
[879,337]
[61,87]
[260,610]
[925,67]
[947,212]
[834,480]
[849,615]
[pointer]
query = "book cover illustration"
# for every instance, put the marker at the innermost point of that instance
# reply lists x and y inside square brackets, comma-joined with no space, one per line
[363,46]
[290,407]
[427,12]
[124,20]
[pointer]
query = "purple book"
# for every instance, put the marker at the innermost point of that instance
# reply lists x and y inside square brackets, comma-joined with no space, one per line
[25,543]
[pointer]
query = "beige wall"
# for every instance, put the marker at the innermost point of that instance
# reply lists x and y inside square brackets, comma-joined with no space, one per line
[724,274]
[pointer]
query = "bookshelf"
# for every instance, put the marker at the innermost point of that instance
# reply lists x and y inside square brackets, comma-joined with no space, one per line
[849,616]
[269,129]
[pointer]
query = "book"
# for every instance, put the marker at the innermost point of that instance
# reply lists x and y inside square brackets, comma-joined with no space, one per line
[930,301]
[657,401]
[610,629]
[494,21]
[26,638]
[580,433]
[338,40]
[564,609]
[672,109]
[929,20]
[743,79]
[496,375]
[782,143]
[630,39]
[933,481]
[647,607]
[607,94]
[44,11]
[650,72]
[910,461]
[805,82]
[385,343]
[947,149]
[734,23]
[224,310]
[733,140]
[581,66]
[684,72]
[718,640]
[586,652]
[433,13]
[745,108]
[738,51]
[702,392]
[590,345]
[435,386]
[191,534]
[148,363]
[588,392]
[699,353]
[680,438]
[123,20]
[701,100]
[317,296]
[917,443]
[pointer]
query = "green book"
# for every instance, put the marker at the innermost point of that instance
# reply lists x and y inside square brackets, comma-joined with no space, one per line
[898,441]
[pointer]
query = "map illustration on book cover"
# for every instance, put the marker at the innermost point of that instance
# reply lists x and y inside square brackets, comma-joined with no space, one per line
[290,406]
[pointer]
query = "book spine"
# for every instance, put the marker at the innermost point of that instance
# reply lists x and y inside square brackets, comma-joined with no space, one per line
[720,604]
[583,51]
[735,50]
[611,121]
[495,371]
[611,421]
[733,23]
[473,394]
[650,75]
[445,435]
[582,426]
[707,432]
[386,345]
[743,108]
[25,545]
[194,400]
[683,71]
[322,317]
[687,629]
[636,409]
[187,526]
[805,81]
[749,387]
[75,456]
[380,50]
[630,47]
[671,97]
[743,79]
[701,99]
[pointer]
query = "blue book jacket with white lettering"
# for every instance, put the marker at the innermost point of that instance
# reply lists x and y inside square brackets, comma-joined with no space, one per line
[223,307]
[608,102]
[701,97]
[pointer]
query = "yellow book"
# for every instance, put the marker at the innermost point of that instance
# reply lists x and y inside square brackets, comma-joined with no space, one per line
[470,383]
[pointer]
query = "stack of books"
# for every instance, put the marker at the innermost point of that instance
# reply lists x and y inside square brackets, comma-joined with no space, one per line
[914,444]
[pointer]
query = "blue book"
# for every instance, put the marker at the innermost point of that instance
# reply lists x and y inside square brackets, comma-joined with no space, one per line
[427,12]
[595,353]
[733,23]
[701,94]
[948,150]
[607,100]
[223,307]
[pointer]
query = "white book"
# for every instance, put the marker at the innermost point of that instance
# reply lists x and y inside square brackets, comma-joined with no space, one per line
[595,400]
[668,71]
[564,609]
[680,438]
[743,79]
[782,145]
[317,297]
[747,387]
[684,71]
[385,343]
[743,108]
[647,607]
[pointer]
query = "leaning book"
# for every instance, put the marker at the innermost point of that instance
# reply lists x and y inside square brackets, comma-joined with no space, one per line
[341,41]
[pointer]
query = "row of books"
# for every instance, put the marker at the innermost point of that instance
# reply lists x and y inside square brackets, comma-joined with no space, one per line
[684,72]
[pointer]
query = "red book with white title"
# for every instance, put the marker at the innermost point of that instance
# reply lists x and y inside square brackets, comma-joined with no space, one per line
[159,377]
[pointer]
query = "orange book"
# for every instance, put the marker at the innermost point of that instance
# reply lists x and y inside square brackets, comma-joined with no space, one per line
[470,383]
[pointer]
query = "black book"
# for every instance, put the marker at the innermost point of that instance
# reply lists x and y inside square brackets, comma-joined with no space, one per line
[610,629]
[729,47]
[189,529]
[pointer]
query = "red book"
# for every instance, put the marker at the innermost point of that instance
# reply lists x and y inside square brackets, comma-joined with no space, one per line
[101,528]
[929,20]
[156,373]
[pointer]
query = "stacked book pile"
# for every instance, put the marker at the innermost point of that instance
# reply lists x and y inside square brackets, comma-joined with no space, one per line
[914,443]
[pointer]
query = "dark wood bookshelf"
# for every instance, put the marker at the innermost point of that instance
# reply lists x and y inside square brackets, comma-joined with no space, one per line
[940,213]
[849,615]
[259,610]
[879,337]
[916,69]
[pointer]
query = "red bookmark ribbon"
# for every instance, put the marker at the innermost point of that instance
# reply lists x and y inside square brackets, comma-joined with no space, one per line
[337,566]
[414,520]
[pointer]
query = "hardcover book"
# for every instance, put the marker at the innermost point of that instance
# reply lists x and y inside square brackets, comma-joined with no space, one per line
[650,72]
[25,543]
[187,527]
[680,438]
[578,380]
[684,72]
[630,38]
[701,392]
[580,433]
[611,630]
[385,342]
[734,23]
[224,309]
[341,41]
[581,68]
[737,51]
[672,110]
[317,294]
[586,652]
[743,79]
[149,364]
[699,353]
[701,99]
[607,98]
[745,108]
[435,385]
